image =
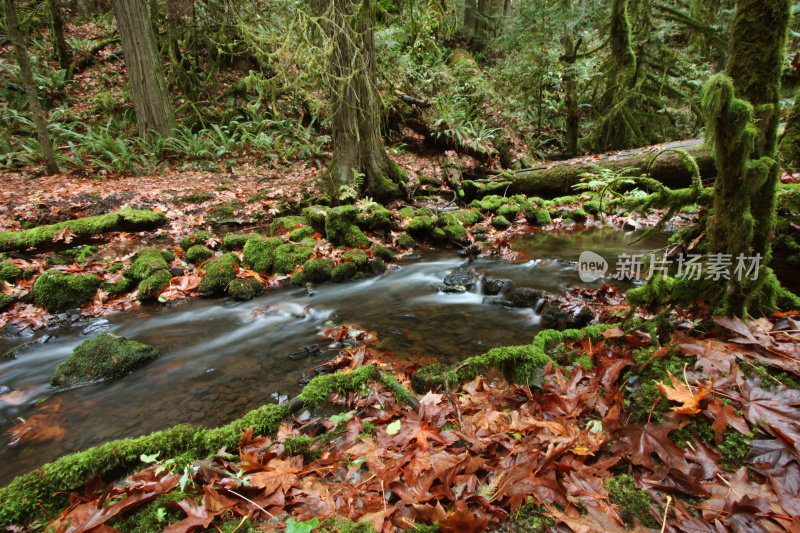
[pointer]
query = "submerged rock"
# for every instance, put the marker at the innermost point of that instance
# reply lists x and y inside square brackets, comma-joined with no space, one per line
[492,286]
[521,297]
[103,357]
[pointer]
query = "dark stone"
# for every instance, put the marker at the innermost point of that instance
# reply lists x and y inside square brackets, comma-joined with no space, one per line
[492,286]
[176,272]
[461,279]
[522,297]
[305,352]
[570,316]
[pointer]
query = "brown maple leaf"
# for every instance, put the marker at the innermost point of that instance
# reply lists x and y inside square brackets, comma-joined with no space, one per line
[679,392]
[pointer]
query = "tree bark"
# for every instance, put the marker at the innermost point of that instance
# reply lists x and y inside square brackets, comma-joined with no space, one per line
[62,50]
[21,51]
[359,158]
[559,179]
[790,141]
[145,74]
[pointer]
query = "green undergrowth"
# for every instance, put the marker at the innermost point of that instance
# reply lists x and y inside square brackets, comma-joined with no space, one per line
[633,502]
[29,497]
[126,219]
[519,364]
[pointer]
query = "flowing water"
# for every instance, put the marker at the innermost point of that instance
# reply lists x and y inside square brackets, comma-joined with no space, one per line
[221,359]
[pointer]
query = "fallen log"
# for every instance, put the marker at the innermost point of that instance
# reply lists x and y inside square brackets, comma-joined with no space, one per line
[126,219]
[558,179]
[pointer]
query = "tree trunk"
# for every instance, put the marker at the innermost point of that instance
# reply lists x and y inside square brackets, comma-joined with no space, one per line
[469,16]
[570,97]
[145,75]
[20,49]
[359,158]
[790,141]
[743,110]
[60,47]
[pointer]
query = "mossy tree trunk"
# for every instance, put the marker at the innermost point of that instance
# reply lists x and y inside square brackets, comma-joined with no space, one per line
[145,75]
[62,51]
[20,49]
[790,142]
[570,82]
[359,157]
[742,110]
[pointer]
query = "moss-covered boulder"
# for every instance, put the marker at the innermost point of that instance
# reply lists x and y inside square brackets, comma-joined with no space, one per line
[126,219]
[259,253]
[357,256]
[147,261]
[103,357]
[236,241]
[153,285]
[510,211]
[344,272]
[421,226]
[194,239]
[316,215]
[58,291]
[500,222]
[5,301]
[374,217]
[198,253]
[405,242]
[9,271]
[341,228]
[381,251]
[301,233]
[490,203]
[290,256]
[284,224]
[245,288]
[121,287]
[378,266]
[468,217]
[317,270]
[220,271]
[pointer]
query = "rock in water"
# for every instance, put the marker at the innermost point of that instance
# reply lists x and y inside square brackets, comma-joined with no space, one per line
[462,279]
[103,357]
[522,297]
[493,286]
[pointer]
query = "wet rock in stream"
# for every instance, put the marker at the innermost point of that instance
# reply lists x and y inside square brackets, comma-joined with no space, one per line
[521,297]
[305,352]
[492,286]
[462,279]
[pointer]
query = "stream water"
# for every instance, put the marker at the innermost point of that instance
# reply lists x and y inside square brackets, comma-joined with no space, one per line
[221,358]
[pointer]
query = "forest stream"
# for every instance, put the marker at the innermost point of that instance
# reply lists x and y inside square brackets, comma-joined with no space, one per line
[221,359]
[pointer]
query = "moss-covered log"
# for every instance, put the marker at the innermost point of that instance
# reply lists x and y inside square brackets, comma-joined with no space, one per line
[45,490]
[126,219]
[557,180]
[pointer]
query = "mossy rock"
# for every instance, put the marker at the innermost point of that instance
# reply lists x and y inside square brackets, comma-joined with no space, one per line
[381,251]
[510,211]
[151,286]
[236,241]
[538,216]
[592,207]
[147,261]
[318,270]
[578,215]
[344,272]
[58,291]
[438,235]
[341,228]
[259,253]
[301,233]
[81,253]
[126,219]
[378,266]
[9,271]
[194,239]
[198,253]
[490,203]
[375,217]
[500,222]
[245,288]
[289,223]
[468,217]
[405,242]
[103,357]
[298,278]
[357,256]
[424,179]
[456,233]
[223,213]
[315,215]
[5,301]
[220,271]
[290,256]
[121,287]
[421,226]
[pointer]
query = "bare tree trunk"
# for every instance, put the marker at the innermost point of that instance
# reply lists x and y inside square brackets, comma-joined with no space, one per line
[358,152]
[15,34]
[469,15]
[62,51]
[145,75]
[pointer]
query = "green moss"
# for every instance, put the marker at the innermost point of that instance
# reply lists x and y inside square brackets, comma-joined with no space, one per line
[652,295]
[198,253]
[633,502]
[5,301]
[223,213]
[456,233]
[382,252]
[58,291]
[438,235]
[377,266]
[259,254]
[287,224]
[500,222]
[344,272]
[9,271]
[421,226]
[318,270]
[592,207]
[236,241]
[336,524]
[315,215]
[81,253]
[641,391]
[220,271]
[578,215]
[245,288]
[585,361]
[341,228]
[357,256]
[531,518]
[509,211]
[151,286]
[103,357]
[298,278]
[121,287]
[405,242]
[303,232]
[490,203]
[290,256]
[374,217]
[198,237]
[407,212]
[467,217]
[147,261]
[126,219]
[148,517]
[197,197]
